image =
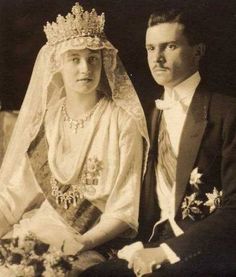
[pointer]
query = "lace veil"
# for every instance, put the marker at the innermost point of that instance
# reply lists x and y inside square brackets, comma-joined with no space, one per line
[46,88]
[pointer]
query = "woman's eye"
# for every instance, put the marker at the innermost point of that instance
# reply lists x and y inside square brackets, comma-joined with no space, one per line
[92,59]
[75,60]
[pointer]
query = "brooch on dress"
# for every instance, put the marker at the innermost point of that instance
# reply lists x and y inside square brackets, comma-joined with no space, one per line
[69,194]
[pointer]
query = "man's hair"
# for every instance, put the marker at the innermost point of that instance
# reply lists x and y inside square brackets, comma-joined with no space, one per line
[191,18]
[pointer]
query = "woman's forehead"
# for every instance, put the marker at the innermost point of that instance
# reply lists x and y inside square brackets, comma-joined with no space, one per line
[86,51]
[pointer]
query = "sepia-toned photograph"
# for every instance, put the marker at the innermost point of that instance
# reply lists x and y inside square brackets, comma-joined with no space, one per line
[117,138]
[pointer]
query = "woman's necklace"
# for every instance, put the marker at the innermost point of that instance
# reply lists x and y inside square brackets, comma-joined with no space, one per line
[74,124]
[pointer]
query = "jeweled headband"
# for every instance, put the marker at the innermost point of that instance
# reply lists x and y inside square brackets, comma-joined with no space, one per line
[78,23]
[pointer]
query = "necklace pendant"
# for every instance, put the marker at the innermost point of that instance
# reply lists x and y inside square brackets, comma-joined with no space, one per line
[75,128]
[81,124]
[70,124]
[74,201]
[53,192]
[65,204]
[57,200]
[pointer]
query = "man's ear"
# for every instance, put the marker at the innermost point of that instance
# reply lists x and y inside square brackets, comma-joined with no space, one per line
[200,50]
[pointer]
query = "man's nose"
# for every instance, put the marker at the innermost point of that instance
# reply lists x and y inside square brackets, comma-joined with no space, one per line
[159,56]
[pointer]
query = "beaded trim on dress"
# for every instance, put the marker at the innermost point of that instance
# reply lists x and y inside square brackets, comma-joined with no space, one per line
[69,194]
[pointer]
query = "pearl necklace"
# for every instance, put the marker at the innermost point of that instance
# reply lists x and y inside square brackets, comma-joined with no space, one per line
[79,123]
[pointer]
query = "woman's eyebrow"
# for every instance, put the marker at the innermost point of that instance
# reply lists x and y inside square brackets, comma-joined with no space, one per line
[73,54]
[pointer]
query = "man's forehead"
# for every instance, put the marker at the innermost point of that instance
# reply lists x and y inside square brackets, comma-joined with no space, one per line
[164,32]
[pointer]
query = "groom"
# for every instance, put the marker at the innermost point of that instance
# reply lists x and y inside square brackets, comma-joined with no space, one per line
[188,202]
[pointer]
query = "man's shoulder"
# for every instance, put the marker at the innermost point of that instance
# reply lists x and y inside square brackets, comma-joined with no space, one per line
[221,98]
[222,103]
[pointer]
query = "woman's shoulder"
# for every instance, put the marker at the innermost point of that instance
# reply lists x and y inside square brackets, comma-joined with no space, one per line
[119,112]
[54,108]
[122,117]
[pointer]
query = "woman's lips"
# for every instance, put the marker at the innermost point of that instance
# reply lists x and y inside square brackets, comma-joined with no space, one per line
[85,80]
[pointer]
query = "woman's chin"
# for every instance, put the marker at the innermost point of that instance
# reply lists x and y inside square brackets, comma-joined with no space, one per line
[84,90]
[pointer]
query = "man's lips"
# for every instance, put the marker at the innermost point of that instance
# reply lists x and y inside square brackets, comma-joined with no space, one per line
[159,69]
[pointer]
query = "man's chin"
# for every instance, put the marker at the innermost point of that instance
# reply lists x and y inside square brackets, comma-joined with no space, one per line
[160,81]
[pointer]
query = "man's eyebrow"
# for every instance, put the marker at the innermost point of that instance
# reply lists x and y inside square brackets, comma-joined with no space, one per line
[161,44]
[150,45]
[172,41]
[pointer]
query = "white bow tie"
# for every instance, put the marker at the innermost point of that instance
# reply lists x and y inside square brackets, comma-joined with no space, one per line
[169,104]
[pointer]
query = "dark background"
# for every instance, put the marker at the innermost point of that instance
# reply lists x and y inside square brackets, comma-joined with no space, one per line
[21,37]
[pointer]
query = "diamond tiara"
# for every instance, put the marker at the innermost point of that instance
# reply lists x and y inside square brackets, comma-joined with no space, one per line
[78,23]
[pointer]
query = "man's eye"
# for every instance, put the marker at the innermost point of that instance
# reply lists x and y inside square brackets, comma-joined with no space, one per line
[150,48]
[172,46]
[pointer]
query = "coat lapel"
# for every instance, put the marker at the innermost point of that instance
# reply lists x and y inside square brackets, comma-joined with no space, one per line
[193,131]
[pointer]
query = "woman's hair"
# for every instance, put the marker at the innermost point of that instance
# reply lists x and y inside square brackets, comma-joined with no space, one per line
[189,16]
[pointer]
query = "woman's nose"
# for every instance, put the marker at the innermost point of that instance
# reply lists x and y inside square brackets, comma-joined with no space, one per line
[83,66]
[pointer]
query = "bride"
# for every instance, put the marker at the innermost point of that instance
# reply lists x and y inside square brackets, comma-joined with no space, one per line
[72,171]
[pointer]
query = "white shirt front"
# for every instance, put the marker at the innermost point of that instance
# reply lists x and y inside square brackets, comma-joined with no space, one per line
[180,97]
[175,111]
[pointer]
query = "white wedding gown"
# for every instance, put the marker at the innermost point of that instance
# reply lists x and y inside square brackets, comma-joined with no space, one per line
[50,228]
